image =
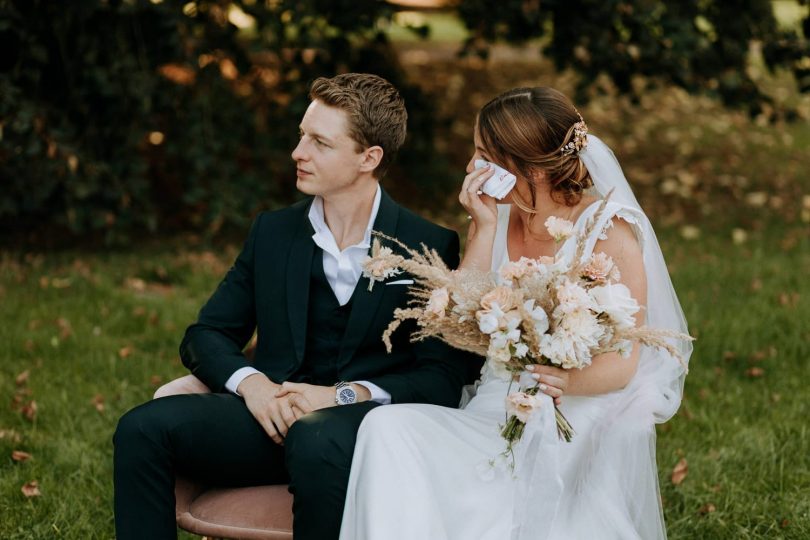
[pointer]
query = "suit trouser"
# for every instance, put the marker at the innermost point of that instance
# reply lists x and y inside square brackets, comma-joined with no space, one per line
[213,438]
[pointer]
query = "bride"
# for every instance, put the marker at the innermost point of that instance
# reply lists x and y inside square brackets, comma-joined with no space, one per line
[427,472]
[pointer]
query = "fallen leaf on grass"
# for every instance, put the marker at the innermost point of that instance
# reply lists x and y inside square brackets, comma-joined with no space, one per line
[124,352]
[22,378]
[739,236]
[19,455]
[31,489]
[707,508]
[136,284]
[755,372]
[690,232]
[680,471]
[763,354]
[789,299]
[98,402]
[65,329]
[60,283]
[11,435]
[155,380]
[756,284]
[29,410]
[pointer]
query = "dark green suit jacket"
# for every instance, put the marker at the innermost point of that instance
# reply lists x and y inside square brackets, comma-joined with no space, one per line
[267,289]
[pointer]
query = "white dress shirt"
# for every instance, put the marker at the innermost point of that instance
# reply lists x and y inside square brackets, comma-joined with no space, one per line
[342,269]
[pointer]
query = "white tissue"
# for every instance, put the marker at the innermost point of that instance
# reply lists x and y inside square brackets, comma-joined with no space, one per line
[500,184]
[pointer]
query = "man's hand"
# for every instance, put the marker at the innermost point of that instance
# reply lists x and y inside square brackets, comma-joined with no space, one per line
[309,397]
[275,414]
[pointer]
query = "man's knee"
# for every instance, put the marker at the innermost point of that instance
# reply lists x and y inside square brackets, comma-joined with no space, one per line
[310,440]
[139,429]
[323,440]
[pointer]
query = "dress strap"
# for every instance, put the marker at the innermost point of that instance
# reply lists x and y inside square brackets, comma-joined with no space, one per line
[603,225]
[500,255]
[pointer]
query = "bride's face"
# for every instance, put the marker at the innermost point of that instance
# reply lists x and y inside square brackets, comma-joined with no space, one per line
[521,188]
[479,153]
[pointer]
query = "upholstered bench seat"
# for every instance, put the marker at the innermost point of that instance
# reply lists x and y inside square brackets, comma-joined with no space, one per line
[250,513]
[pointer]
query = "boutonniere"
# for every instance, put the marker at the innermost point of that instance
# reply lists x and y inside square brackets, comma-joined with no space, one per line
[381,265]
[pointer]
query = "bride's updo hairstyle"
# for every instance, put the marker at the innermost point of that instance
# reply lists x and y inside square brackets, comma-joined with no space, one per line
[527,129]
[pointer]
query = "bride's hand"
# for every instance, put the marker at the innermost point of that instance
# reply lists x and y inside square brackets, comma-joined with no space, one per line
[552,380]
[481,207]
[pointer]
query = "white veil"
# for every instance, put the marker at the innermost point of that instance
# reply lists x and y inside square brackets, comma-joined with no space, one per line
[663,309]
[615,484]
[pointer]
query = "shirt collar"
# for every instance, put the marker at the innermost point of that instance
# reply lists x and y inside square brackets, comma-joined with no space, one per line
[318,221]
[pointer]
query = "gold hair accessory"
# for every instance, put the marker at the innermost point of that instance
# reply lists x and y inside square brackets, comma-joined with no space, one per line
[580,141]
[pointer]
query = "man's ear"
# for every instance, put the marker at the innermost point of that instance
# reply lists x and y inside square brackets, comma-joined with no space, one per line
[370,158]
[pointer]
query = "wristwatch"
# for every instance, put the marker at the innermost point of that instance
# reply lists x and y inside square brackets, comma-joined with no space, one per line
[344,393]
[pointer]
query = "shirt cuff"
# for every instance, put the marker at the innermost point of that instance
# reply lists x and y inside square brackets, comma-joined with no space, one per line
[238,376]
[377,394]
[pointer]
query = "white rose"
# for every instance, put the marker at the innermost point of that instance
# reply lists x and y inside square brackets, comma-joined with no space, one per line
[521,349]
[565,350]
[498,360]
[615,300]
[538,315]
[487,321]
[498,340]
[572,297]
[559,228]
[521,405]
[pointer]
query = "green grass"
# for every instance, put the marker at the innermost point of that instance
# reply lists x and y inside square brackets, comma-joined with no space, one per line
[85,329]
[745,438]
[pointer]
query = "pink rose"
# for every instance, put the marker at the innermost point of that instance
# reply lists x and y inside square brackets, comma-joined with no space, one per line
[437,304]
[601,268]
[560,229]
[512,271]
[521,405]
[503,296]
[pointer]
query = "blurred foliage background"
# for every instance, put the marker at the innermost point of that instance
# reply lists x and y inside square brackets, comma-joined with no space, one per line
[122,119]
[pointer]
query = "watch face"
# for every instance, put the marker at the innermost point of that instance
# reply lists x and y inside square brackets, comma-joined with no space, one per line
[347,395]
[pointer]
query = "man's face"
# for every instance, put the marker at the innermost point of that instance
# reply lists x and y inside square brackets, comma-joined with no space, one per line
[327,160]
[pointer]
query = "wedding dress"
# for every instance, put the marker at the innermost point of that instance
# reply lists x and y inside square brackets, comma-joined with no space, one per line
[435,473]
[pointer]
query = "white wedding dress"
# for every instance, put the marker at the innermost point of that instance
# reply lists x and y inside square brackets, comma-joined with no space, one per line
[423,471]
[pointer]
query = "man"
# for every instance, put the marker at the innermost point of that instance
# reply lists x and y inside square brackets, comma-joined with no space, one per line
[292,415]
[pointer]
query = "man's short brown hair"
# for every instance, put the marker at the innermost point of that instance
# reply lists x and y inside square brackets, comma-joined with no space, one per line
[377,115]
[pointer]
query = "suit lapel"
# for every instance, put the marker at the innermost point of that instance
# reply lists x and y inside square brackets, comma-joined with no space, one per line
[365,302]
[299,269]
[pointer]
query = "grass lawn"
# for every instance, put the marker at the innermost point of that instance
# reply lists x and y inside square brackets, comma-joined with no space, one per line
[88,336]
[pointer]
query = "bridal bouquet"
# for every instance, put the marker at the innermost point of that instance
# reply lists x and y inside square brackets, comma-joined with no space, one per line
[533,311]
